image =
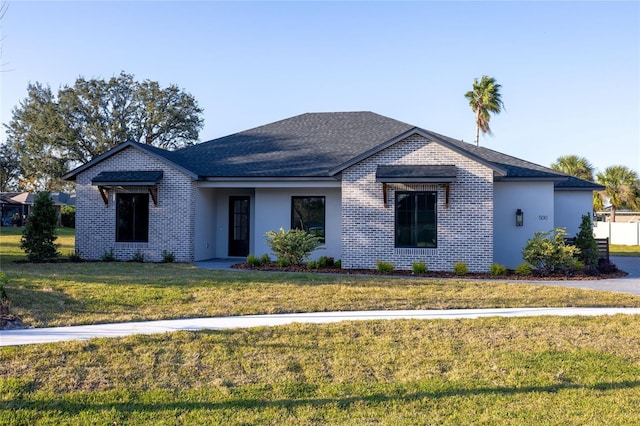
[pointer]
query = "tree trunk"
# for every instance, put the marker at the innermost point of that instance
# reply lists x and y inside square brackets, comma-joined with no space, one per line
[478,127]
[613,214]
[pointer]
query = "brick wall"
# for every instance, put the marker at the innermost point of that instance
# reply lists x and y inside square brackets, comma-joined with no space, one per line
[464,228]
[171,222]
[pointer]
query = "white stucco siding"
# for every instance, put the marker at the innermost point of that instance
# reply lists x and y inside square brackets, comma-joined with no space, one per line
[171,222]
[536,200]
[569,207]
[464,227]
[273,211]
[205,224]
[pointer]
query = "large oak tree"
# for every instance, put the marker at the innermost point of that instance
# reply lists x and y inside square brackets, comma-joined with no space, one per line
[54,133]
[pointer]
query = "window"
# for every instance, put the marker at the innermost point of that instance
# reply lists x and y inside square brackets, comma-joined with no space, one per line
[132,217]
[416,219]
[308,213]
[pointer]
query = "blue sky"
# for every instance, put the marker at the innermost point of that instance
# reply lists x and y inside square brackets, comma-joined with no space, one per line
[570,71]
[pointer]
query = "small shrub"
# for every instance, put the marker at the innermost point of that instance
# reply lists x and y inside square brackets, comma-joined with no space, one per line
[498,270]
[40,233]
[313,264]
[547,251]
[385,267]
[265,259]
[282,263]
[325,262]
[338,264]
[168,257]
[460,268]
[76,256]
[292,246]
[524,269]
[137,257]
[419,267]
[253,260]
[586,243]
[108,256]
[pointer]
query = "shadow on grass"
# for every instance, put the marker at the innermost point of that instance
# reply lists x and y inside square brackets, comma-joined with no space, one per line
[70,407]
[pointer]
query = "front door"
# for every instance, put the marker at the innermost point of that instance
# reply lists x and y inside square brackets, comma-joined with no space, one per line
[238,226]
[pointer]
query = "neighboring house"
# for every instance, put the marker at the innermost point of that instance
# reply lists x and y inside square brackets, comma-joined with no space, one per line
[15,206]
[372,187]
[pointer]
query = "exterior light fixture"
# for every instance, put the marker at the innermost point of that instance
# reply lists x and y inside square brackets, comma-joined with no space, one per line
[519,218]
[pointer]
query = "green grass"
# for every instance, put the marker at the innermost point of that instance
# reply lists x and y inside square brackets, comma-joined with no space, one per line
[405,372]
[546,370]
[620,250]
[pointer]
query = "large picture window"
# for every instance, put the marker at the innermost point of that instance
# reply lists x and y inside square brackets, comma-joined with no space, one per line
[132,217]
[308,213]
[416,219]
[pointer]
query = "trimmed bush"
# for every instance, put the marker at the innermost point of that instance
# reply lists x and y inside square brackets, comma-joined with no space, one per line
[265,259]
[498,270]
[548,252]
[338,264]
[419,267]
[460,268]
[524,269]
[313,264]
[39,235]
[586,242]
[325,262]
[253,260]
[292,246]
[385,267]
[168,257]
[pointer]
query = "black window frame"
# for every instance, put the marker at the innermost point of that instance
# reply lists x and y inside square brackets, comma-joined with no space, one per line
[132,207]
[417,218]
[306,222]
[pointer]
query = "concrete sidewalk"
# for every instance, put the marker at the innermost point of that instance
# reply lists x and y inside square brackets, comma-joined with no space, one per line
[84,332]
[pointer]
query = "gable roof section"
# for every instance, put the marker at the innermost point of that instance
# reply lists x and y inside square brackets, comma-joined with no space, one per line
[167,157]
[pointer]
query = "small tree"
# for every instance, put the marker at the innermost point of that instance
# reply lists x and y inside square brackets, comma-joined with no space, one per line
[586,242]
[40,231]
[547,251]
[292,247]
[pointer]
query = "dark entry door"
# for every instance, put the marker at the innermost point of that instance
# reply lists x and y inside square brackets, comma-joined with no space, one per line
[238,226]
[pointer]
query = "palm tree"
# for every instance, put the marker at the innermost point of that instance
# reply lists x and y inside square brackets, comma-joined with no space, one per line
[574,166]
[485,98]
[622,188]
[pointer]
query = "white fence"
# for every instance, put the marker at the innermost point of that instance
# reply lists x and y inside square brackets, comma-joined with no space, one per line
[627,234]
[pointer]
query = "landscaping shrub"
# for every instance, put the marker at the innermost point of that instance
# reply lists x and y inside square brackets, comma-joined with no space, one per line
[313,264]
[325,262]
[292,246]
[338,264]
[586,242]
[460,268]
[137,257]
[108,256]
[39,235]
[419,267]
[168,257]
[548,252]
[498,270]
[282,263]
[253,260]
[524,269]
[385,267]
[265,259]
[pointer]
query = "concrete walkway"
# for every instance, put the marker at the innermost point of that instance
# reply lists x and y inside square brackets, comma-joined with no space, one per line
[84,332]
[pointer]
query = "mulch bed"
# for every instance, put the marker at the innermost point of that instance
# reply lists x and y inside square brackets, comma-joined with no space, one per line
[578,276]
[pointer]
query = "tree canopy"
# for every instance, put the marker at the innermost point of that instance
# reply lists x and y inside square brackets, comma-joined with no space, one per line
[54,133]
[622,188]
[574,166]
[485,98]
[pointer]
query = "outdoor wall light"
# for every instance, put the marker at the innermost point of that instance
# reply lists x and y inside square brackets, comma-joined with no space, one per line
[519,218]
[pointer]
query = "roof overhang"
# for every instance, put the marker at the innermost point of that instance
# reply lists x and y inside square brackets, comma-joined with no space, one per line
[416,174]
[128,178]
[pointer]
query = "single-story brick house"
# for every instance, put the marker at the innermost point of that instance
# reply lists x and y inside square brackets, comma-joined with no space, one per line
[372,187]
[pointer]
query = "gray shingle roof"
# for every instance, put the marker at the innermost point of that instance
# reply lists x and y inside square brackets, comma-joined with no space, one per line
[129,177]
[320,145]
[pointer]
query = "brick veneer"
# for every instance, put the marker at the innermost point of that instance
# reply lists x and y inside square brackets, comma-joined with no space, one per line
[171,222]
[464,228]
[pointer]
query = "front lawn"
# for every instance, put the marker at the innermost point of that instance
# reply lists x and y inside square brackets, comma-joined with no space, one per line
[620,250]
[540,370]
